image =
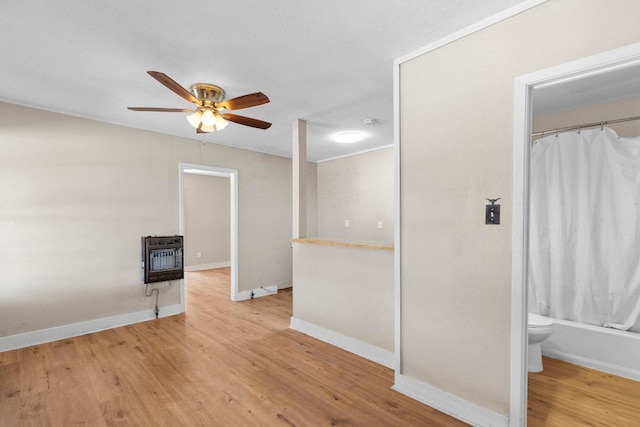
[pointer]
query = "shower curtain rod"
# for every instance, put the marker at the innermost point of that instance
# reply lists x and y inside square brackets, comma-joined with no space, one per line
[586,125]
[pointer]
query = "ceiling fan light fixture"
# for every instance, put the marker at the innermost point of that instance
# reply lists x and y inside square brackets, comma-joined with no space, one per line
[207,128]
[195,119]
[221,123]
[208,118]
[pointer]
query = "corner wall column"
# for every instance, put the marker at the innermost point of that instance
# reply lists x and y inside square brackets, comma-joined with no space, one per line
[299,179]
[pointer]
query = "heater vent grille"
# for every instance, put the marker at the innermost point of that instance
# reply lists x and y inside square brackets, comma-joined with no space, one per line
[162,258]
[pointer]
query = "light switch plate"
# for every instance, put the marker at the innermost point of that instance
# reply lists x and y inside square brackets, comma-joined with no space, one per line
[492,214]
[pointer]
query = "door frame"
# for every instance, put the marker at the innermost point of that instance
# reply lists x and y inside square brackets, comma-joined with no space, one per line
[522,123]
[232,175]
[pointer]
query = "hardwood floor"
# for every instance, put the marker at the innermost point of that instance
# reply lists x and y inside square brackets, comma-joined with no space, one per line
[238,364]
[222,363]
[570,395]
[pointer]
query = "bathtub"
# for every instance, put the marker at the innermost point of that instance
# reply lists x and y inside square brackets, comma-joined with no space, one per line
[609,350]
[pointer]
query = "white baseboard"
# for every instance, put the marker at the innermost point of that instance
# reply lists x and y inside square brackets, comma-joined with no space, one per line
[256,293]
[621,371]
[448,403]
[361,348]
[198,267]
[28,339]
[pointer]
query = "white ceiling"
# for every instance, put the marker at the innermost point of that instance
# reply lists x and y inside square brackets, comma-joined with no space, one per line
[328,62]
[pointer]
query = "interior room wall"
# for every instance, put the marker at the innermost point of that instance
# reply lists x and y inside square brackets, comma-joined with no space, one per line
[76,197]
[348,291]
[359,189]
[456,127]
[206,221]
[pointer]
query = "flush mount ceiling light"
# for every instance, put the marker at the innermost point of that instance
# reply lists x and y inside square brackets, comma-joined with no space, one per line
[349,137]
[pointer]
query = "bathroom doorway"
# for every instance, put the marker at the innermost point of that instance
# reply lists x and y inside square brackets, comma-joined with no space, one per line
[230,175]
[600,80]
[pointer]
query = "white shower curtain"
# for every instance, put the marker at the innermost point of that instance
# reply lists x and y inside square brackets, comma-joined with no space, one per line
[585,228]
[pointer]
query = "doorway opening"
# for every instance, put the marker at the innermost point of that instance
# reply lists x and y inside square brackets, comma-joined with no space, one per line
[232,176]
[596,71]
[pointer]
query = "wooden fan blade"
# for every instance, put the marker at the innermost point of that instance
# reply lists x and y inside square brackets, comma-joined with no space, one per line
[163,110]
[247,121]
[245,101]
[174,86]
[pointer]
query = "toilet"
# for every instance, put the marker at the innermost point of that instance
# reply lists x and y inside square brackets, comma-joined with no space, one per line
[539,329]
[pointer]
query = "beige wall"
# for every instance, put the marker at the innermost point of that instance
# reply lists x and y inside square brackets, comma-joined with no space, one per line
[345,290]
[206,220]
[78,194]
[358,188]
[456,106]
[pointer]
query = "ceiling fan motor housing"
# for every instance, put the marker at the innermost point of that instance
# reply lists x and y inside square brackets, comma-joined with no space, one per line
[207,92]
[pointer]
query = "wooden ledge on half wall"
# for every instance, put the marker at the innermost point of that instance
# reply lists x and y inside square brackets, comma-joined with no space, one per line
[344,243]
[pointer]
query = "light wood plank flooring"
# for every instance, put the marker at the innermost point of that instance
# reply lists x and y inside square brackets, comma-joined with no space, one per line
[220,364]
[238,364]
[569,395]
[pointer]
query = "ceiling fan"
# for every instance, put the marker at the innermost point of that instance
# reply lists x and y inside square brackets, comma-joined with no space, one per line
[209,99]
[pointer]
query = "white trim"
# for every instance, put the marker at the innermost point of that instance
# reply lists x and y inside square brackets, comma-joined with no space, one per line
[519,266]
[397,199]
[352,345]
[232,174]
[602,63]
[263,291]
[355,154]
[448,403]
[41,336]
[610,368]
[593,65]
[199,267]
[473,28]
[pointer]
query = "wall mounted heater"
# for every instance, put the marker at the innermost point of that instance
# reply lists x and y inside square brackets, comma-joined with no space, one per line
[162,258]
